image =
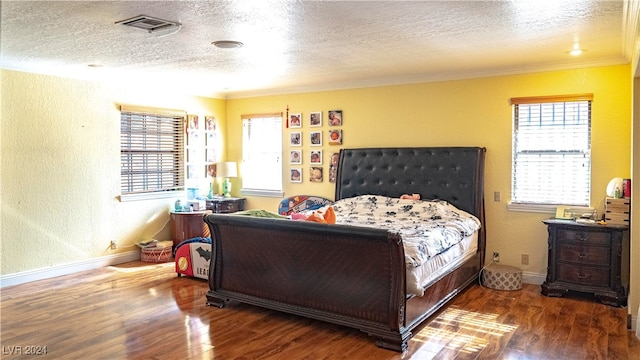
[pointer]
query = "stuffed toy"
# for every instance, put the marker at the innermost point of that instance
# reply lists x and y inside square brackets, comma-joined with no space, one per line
[328,217]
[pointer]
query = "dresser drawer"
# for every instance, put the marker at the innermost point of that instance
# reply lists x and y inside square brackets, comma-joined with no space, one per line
[584,275]
[227,207]
[587,255]
[584,237]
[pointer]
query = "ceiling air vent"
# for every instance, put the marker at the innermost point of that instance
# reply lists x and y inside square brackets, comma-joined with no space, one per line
[149,23]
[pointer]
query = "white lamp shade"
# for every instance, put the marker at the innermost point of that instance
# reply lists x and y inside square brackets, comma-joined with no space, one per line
[227,170]
[613,184]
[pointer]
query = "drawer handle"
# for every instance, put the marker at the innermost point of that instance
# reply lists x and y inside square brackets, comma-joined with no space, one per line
[582,276]
[582,238]
[582,256]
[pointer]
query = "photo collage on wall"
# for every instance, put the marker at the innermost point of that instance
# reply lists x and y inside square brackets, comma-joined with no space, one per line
[314,160]
[201,135]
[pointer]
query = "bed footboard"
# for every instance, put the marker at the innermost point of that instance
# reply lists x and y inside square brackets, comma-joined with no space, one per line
[347,275]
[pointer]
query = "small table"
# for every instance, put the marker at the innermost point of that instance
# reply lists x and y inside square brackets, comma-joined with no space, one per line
[187,225]
[225,205]
[589,258]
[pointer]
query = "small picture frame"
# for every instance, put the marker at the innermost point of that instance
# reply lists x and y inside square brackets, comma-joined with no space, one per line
[211,138]
[315,174]
[295,175]
[192,122]
[335,117]
[316,138]
[210,124]
[295,157]
[333,166]
[295,121]
[212,170]
[295,138]
[210,155]
[193,138]
[315,119]
[335,137]
[316,157]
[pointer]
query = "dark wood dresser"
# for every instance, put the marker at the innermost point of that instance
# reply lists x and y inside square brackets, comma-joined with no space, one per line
[224,205]
[589,258]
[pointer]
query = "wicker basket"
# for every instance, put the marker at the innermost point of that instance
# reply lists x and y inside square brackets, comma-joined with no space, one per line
[156,255]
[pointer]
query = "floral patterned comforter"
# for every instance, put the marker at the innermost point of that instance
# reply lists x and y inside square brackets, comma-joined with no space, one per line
[427,227]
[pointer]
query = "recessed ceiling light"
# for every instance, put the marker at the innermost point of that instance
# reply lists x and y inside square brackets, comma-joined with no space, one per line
[227,44]
[576,51]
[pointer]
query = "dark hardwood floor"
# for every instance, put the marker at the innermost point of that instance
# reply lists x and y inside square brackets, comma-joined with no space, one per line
[144,311]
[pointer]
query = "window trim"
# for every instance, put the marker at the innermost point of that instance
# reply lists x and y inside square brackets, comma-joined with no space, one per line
[154,194]
[541,207]
[258,191]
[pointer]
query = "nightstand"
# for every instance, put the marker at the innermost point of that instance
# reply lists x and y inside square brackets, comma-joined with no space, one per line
[223,205]
[187,225]
[589,258]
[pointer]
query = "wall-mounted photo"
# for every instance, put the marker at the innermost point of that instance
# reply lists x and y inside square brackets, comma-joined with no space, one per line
[316,138]
[192,122]
[335,117]
[210,155]
[333,167]
[295,120]
[316,157]
[315,118]
[211,170]
[315,174]
[295,138]
[295,175]
[335,137]
[296,157]
[209,123]
[193,138]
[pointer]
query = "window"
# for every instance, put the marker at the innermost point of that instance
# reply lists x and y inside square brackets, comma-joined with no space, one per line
[551,150]
[262,155]
[151,152]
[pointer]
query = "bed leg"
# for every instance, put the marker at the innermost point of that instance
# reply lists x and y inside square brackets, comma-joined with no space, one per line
[399,344]
[215,301]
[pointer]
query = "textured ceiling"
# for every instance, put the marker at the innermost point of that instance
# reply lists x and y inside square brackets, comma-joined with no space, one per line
[296,46]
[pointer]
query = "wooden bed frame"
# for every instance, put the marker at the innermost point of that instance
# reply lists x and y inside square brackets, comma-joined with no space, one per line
[348,275]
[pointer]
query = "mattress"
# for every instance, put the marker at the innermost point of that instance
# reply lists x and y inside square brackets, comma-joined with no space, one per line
[418,278]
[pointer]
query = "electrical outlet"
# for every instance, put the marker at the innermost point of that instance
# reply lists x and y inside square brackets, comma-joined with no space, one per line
[496,196]
[525,259]
[496,256]
[113,245]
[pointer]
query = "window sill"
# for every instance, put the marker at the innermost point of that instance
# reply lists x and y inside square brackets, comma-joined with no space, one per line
[541,208]
[534,208]
[265,193]
[152,196]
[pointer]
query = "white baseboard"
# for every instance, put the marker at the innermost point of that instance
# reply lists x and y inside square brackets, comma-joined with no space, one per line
[65,269]
[533,278]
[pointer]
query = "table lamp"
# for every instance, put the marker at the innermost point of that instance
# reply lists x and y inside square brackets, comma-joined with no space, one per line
[227,170]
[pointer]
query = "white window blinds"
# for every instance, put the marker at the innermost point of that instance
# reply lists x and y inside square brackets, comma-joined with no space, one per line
[262,154]
[151,150]
[552,150]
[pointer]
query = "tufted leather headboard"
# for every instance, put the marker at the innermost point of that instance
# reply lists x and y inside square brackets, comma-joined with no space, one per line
[454,174]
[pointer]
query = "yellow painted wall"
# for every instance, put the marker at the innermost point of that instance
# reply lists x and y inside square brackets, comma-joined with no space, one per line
[464,113]
[60,152]
[60,169]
